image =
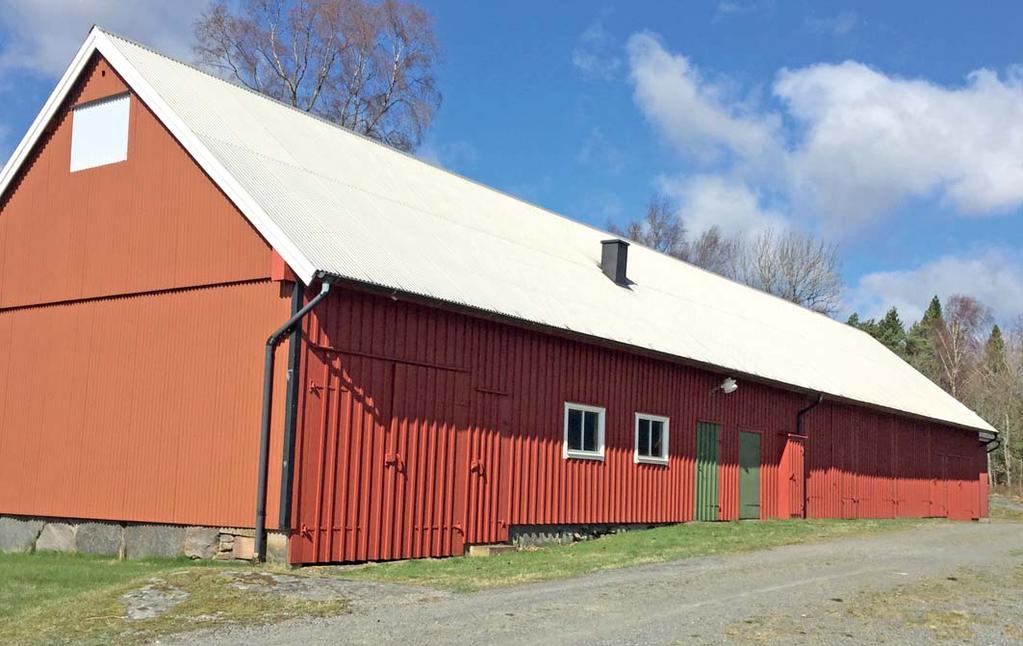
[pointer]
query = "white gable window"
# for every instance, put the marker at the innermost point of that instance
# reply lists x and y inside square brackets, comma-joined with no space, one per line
[584,432]
[651,438]
[99,133]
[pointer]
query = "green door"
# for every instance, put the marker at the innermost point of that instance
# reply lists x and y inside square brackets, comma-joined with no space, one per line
[749,475]
[708,437]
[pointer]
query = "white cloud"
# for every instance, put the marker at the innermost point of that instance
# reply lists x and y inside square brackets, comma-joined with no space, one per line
[993,276]
[597,150]
[728,8]
[838,25]
[43,35]
[869,141]
[596,53]
[712,200]
[601,206]
[696,116]
[858,143]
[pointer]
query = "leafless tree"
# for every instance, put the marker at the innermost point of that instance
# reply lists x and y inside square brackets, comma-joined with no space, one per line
[793,266]
[1010,394]
[367,66]
[715,252]
[958,339]
[660,228]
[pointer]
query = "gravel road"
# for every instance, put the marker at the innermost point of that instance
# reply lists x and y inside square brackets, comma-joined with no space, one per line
[949,581]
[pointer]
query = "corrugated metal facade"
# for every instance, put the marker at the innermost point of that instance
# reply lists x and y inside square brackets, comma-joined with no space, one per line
[142,408]
[134,304]
[151,223]
[508,468]
[866,466]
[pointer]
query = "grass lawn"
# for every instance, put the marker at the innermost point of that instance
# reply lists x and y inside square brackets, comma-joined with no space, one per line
[50,598]
[621,550]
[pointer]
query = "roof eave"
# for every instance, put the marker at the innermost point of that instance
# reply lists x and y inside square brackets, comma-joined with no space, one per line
[617,345]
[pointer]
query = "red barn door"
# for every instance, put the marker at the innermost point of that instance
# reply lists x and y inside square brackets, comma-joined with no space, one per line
[489,502]
[792,488]
[381,462]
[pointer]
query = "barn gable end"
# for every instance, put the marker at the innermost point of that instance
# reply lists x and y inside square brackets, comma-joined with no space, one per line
[134,300]
[152,222]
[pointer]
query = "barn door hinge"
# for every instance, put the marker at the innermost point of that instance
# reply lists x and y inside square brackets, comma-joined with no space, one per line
[394,460]
[316,388]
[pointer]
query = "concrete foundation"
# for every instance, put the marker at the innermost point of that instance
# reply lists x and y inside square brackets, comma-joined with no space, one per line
[134,540]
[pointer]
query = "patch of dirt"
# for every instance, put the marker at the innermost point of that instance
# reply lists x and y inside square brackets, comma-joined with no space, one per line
[317,588]
[152,600]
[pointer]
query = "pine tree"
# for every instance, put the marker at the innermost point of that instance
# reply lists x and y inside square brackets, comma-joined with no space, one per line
[869,326]
[920,335]
[997,400]
[994,352]
[919,350]
[890,331]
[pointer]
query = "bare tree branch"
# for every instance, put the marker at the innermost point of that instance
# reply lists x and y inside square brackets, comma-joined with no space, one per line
[791,265]
[368,66]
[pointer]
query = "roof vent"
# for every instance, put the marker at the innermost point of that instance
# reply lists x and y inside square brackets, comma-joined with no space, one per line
[613,260]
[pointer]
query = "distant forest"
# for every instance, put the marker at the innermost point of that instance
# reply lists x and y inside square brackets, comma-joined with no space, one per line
[959,347]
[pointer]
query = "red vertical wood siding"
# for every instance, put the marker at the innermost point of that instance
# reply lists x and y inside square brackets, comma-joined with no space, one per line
[140,408]
[134,308]
[865,464]
[152,222]
[861,463]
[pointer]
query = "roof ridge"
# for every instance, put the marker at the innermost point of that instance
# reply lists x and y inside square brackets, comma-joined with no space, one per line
[442,169]
[364,137]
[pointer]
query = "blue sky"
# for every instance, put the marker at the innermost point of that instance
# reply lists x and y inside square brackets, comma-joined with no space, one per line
[894,129]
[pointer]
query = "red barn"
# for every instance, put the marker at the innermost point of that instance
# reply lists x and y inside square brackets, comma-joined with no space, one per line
[465,368]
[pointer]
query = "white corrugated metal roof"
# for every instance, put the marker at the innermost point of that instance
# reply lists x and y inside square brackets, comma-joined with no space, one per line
[332,201]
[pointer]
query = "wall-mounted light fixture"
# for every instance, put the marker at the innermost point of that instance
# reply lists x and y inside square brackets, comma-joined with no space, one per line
[727,386]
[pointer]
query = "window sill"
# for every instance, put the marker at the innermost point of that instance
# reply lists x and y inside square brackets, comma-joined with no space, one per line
[658,461]
[575,455]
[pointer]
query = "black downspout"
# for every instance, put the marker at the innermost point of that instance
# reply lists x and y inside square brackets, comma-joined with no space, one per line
[290,410]
[264,436]
[804,411]
[799,432]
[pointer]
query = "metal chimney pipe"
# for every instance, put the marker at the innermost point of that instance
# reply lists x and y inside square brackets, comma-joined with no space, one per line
[614,259]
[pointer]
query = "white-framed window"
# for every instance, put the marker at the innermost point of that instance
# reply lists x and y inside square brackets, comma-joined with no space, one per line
[584,431]
[99,132]
[651,438]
